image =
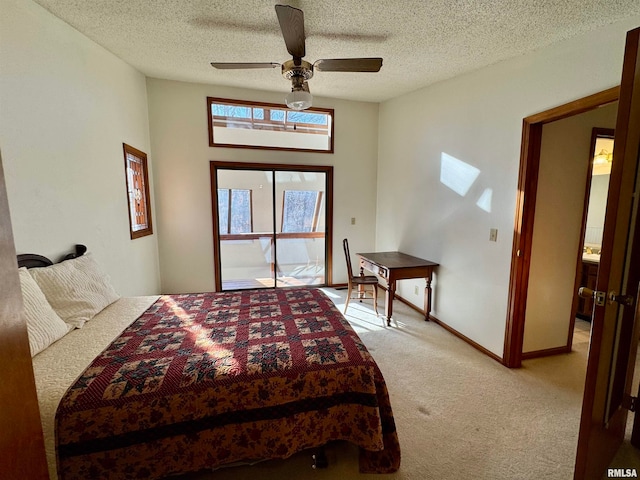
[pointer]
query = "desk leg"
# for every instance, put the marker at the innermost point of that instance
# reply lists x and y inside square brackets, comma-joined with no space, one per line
[391,291]
[427,298]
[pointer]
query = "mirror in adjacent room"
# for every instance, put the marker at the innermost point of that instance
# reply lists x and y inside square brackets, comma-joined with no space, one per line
[601,155]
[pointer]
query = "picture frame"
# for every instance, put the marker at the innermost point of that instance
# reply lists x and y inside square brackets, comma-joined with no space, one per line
[138,198]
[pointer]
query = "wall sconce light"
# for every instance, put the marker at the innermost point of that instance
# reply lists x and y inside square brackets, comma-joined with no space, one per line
[603,157]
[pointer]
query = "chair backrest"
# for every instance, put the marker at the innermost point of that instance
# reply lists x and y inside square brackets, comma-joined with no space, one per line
[345,244]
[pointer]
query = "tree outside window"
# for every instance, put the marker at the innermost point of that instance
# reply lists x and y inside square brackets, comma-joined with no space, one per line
[234,211]
[301,210]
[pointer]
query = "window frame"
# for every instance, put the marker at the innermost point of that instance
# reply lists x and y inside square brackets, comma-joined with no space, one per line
[268,106]
[146,207]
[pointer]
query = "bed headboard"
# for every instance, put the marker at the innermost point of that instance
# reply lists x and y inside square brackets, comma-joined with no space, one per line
[33,260]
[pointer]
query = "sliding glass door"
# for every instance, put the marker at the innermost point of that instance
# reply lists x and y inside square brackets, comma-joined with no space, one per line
[271,225]
[245,228]
[301,228]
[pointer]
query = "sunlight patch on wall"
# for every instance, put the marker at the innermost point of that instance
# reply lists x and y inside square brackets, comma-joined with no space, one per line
[484,202]
[456,174]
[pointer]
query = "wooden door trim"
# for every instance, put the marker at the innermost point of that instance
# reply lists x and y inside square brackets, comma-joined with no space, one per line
[525,213]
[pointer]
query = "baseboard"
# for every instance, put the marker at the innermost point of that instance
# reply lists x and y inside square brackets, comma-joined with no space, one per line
[545,353]
[475,345]
[451,330]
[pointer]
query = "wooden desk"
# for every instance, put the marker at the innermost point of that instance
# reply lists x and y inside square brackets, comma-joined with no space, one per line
[393,266]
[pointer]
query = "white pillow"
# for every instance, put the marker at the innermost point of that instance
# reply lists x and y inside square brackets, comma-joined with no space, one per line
[77,289]
[43,324]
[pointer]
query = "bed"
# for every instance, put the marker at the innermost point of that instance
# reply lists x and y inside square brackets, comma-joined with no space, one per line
[156,386]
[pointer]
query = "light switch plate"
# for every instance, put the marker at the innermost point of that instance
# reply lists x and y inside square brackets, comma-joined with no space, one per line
[493,235]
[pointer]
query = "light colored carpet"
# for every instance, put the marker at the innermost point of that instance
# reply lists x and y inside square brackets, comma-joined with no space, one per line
[459,414]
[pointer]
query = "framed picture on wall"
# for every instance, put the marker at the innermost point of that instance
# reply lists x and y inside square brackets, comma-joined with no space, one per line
[137,178]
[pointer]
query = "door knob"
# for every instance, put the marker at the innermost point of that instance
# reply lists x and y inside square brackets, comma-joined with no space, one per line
[621,299]
[599,297]
[584,292]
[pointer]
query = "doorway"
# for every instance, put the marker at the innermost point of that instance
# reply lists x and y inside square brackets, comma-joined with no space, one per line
[615,320]
[564,176]
[523,242]
[601,155]
[271,225]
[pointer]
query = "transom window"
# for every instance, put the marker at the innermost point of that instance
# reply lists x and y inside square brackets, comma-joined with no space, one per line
[235,123]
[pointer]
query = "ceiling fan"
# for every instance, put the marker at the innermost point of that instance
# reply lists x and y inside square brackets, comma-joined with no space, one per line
[298,70]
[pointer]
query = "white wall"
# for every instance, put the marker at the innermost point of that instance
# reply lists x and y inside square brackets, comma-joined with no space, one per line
[181,154]
[270,138]
[476,118]
[67,105]
[562,182]
[598,202]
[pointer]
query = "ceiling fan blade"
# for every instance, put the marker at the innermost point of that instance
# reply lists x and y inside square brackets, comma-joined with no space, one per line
[348,65]
[233,66]
[292,25]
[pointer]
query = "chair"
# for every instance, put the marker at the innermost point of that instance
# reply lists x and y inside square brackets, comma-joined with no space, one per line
[361,281]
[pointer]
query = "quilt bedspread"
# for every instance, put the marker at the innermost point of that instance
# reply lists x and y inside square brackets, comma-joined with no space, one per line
[203,380]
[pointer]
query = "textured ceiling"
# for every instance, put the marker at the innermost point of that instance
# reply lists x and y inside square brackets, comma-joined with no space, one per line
[421,41]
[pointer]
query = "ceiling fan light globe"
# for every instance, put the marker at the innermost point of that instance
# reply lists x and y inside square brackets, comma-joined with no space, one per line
[298,100]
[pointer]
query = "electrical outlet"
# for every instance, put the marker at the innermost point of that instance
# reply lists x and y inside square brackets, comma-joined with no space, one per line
[353,220]
[493,235]
[416,290]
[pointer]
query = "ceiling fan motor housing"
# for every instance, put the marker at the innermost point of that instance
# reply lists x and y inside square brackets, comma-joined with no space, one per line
[298,74]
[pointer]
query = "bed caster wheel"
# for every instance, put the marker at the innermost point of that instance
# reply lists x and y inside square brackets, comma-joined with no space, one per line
[320,459]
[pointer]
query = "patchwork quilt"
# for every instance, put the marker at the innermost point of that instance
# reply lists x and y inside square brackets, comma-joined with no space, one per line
[204,380]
